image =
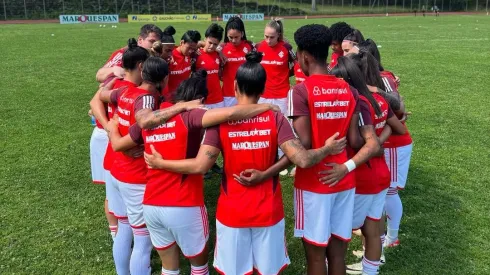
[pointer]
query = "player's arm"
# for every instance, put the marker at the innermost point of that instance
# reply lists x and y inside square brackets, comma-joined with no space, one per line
[396,125]
[291,58]
[219,115]
[205,158]
[147,118]
[104,72]
[105,91]
[99,110]
[385,134]
[121,143]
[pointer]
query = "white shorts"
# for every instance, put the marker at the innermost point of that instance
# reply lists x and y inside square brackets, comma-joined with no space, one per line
[229,101]
[215,105]
[98,145]
[398,161]
[186,226]
[132,195]
[368,207]
[281,102]
[320,216]
[114,199]
[239,251]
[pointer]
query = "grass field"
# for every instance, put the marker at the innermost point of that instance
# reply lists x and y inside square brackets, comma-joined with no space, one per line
[52,220]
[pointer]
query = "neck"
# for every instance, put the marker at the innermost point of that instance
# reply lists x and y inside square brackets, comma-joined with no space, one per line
[318,69]
[148,87]
[132,77]
[180,50]
[245,100]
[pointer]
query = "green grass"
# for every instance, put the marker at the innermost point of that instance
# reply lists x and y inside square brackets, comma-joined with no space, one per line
[52,218]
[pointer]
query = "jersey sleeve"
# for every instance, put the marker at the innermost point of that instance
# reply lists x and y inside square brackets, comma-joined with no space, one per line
[364,114]
[145,102]
[355,93]
[291,57]
[211,137]
[135,133]
[298,101]
[193,119]
[114,60]
[284,130]
[116,94]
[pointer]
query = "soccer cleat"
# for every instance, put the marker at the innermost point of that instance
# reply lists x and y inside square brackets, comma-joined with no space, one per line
[392,244]
[284,172]
[355,269]
[293,172]
[382,260]
[358,253]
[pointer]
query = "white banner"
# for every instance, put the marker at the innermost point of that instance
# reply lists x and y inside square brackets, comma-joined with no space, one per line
[91,18]
[245,16]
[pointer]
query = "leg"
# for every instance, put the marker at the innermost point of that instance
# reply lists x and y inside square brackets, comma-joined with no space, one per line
[233,250]
[121,248]
[336,256]
[269,250]
[372,254]
[111,219]
[315,259]
[170,259]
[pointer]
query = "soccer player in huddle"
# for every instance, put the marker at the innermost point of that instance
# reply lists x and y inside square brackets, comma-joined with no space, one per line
[164,47]
[132,61]
[250,219]
[234,49]
[183,58]
[321,105]
[339,31]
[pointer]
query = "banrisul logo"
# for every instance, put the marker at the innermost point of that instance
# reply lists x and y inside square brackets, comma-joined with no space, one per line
[77,19]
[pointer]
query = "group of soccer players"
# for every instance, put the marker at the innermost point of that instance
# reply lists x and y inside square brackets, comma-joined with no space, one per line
[165,112]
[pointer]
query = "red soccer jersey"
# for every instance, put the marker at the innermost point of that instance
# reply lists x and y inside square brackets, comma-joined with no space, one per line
[177,139]
[330,105]
[125,168]
[373,176]
[211,63]
[109,153]
[235,56]
[115,59]
[276,61]
[392,87]
[298,73]
[179,70]
[254,142]
[333,59]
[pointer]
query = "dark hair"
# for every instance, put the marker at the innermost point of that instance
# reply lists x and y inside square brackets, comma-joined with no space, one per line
[250,76]
[191,36]
[214,31]
[370,46]
[193,88]
[355,36]
[347,69]
[340,30]
[277,25]
[168,35]
[155,70]
[133,55]
[149,28]
[312,39]
[369,68]
[235,23]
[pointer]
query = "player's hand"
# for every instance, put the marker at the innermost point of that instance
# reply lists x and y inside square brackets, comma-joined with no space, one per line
[90,113]
[275,108]
[380,152]
[397,80]
[405,116]
[193,104]
[153,158]
[250,177]
[335,146]
[135,152]
[222,57]
[113,124]
[334,175]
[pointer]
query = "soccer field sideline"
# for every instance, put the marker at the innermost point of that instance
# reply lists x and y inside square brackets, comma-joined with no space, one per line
[54,223]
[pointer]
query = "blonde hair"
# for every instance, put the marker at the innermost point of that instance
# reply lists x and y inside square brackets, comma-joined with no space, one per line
[277,25]
[156,49]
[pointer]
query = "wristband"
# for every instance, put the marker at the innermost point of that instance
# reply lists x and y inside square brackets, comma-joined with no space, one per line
[350,164]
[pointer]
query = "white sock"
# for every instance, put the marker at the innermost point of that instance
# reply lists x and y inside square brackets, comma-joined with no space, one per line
[382,237]
[170,272]
[200,270]
[394,212]
[121,248]
[370,267]
[113,230]
[140,258]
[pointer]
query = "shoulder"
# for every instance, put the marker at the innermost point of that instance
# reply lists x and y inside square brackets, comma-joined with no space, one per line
[287,46]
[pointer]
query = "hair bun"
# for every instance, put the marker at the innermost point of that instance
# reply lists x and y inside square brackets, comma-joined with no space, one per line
[254,57]
[132,43]
[215,28]
[169,31]
[200,74]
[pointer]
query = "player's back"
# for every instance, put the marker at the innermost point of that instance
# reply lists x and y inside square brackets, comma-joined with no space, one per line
[331,105]
[249,144]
